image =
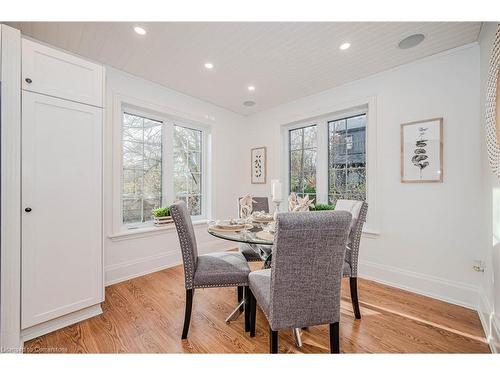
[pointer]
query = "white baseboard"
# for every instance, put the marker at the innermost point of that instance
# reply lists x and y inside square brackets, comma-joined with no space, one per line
[485,312]
[138,267]
[445,290]
[490,326]
[142,266]
[495,335]
[58,323]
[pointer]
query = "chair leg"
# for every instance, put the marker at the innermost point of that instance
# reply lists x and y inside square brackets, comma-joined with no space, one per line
[334,338]
[240,296]
[273,341]
[353,282]
[247,308]
[187,315]
[253,312]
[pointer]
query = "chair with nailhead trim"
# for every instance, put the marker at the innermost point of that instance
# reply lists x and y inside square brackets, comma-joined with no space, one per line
[302,287]
[252,252]
[214,270]
[358,210]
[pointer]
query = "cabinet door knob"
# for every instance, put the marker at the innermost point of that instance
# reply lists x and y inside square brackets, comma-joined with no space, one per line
[28,80]
[27,209]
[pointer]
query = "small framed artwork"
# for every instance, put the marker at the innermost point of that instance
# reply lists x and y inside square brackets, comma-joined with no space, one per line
[258,165]
[422,151]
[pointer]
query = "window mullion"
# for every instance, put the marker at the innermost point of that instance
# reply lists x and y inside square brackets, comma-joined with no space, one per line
[322,162]
[301,173]
[142,179]
[168,162]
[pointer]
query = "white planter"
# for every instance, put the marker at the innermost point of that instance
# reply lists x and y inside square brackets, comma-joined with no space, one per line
[161,221]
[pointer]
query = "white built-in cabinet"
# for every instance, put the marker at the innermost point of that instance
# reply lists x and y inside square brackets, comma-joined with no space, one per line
[60,74]
[62,121]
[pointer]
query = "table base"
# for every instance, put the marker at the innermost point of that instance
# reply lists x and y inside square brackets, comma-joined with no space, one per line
[236,312]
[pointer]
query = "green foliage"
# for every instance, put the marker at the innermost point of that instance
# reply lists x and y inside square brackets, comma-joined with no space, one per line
[322,207]
[311,190]
[161,212]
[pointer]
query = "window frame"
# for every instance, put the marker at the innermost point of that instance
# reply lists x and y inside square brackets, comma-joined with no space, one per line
[289,153]
[203,162]
[133,106]
[350,116]
[139,113]
[321,119]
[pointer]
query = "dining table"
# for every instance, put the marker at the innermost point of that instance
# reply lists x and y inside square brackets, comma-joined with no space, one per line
[259,234]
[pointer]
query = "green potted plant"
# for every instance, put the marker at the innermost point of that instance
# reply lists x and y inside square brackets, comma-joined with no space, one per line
[322,207]
[161,216]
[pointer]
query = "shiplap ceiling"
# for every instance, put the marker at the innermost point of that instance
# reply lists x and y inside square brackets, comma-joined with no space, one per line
[284,61]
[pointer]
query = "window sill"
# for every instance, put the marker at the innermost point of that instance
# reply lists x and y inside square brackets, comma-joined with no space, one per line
[148,231]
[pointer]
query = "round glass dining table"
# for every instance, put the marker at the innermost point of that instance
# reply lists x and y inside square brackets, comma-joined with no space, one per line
[256,235]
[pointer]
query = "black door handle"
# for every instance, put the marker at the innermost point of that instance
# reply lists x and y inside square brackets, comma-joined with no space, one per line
[27,209]
[28,80]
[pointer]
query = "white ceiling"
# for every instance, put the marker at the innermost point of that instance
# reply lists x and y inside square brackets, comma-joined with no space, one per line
[284,61]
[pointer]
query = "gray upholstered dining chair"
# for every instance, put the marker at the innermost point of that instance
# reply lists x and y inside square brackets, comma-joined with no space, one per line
[302,287]
[214,270]
[358,210]
[252,252]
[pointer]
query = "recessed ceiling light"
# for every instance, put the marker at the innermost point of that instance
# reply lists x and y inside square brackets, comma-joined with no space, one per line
[209,65]
[249,103]
[345,46]
[411,41]
[139,30]
[251,88]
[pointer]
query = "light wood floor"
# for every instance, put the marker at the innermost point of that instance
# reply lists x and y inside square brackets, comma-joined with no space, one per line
[145,315]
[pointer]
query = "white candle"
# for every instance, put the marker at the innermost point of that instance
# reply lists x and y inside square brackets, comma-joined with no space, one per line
[276,190]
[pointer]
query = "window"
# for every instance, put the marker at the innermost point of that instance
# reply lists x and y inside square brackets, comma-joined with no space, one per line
[142,167]
[162,162]
[302,160]
[333,156]
[327,160]
[347,158]
[188,167]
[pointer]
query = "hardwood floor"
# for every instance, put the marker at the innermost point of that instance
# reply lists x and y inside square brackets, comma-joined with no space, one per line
[145,315]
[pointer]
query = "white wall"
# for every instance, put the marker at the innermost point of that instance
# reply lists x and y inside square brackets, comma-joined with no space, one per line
[429,233]
[137,254]
[490,286]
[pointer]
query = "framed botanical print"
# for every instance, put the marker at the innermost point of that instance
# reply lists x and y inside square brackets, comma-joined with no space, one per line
[422,151]
[258,167]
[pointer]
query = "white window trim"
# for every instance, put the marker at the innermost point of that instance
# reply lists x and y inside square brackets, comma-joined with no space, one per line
[148,231]
[169,118]
[365,105]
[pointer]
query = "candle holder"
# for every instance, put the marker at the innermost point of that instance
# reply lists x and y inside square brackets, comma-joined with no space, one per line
[277,203]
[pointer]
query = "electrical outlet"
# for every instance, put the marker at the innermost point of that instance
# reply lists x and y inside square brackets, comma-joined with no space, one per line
[478,266]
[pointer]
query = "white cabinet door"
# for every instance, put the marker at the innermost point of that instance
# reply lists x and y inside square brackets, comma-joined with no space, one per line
[61,217]
[49,71]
